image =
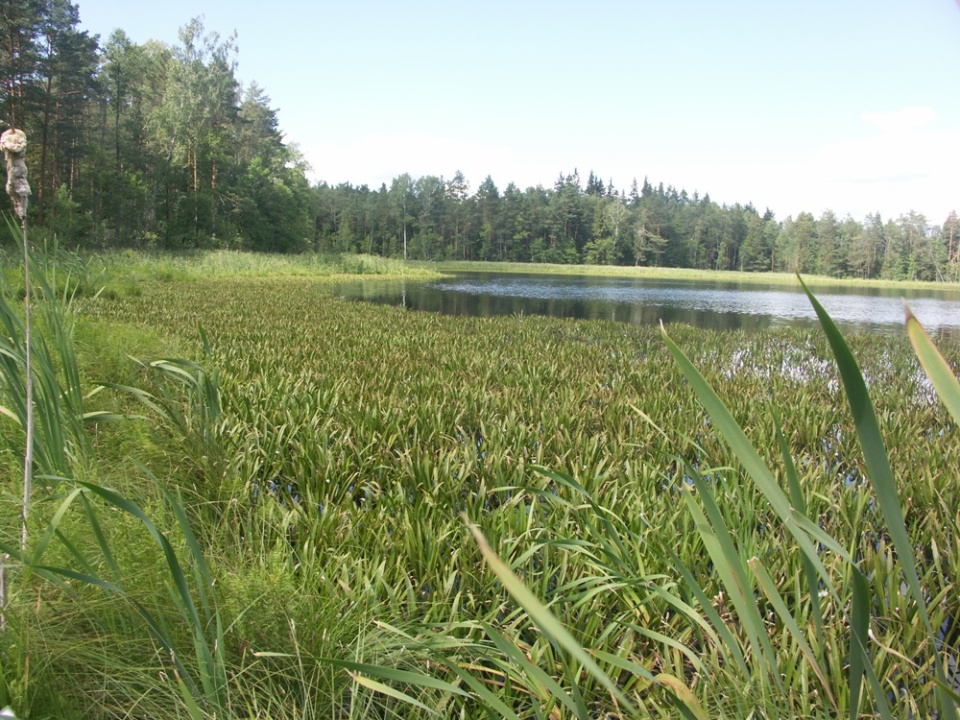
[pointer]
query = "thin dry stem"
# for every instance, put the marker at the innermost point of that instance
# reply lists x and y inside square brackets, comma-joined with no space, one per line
[13,142]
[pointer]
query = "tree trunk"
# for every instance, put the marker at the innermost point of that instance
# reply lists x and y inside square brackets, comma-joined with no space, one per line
[118,166]
[45,136]
[196,199]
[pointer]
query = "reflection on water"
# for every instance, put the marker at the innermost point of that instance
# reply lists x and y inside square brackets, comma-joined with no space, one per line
[722,306]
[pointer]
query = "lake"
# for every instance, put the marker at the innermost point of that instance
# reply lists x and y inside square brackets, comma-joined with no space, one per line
[716,305]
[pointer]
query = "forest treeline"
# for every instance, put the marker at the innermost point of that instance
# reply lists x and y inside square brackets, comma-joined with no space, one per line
[159,146]
[576,222]
[147,145]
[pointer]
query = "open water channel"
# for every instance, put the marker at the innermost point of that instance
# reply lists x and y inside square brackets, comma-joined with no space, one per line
[716,305]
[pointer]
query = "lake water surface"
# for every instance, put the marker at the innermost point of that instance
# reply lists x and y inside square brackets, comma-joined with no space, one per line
[716,305]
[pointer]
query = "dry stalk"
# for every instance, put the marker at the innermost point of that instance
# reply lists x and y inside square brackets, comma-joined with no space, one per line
[13,142]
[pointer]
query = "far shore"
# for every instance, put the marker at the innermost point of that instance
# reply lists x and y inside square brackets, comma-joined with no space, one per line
[139,265]
[663,273]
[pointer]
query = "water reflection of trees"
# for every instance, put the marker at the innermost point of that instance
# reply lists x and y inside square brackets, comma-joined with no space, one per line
[774,309]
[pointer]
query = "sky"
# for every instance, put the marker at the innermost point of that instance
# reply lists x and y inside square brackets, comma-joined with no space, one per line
[846,105]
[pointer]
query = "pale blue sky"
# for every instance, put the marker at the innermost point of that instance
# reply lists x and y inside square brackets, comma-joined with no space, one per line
[842,104]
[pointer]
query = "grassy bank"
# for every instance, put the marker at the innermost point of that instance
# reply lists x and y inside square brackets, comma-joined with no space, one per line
[124,270]
[657,273]
[209,264]
[329,457]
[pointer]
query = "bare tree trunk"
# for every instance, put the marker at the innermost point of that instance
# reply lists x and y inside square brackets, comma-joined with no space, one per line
[44,145]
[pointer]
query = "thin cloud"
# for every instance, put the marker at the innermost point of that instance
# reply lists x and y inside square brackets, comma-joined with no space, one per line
[379,158]
[901,161]
[900,121]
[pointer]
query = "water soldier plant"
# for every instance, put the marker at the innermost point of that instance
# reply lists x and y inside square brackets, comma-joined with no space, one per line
[302,523]
[764,609]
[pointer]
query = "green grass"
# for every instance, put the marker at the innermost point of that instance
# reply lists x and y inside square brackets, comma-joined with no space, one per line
[124,271]
[133,266]
[680,274]
[319,504]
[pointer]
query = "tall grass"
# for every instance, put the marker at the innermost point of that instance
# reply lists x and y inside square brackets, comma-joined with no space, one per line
[126,267]
[59,399]
[63,450]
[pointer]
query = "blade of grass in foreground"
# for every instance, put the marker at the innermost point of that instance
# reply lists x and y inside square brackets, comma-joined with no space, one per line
[389,691]
[732,571]
[769,587]
[935,366]
[209,654]
[803,530]
[796,497]
[358,670]
[801,527]
[545,684]
[545,620]
[881,476]
[727,644]
[395,675]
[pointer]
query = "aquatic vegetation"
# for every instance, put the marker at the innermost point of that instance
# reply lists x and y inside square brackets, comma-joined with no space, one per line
[353,449]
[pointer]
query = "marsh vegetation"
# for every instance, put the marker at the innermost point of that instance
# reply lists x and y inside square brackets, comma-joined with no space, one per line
[280,526]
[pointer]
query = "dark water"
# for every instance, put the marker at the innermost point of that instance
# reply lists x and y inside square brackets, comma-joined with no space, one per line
[715,305]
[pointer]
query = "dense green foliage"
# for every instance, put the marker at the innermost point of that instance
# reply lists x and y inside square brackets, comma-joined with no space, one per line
[649,226]
[159,146]
[147,145]
[330,454]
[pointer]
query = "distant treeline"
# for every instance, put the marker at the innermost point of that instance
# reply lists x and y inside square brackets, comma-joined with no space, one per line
[576,222]
[159,146]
